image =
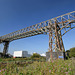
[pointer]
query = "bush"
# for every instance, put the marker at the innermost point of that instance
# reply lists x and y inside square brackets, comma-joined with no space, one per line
[72,52]
[67,53]
[35,55]
[0,59]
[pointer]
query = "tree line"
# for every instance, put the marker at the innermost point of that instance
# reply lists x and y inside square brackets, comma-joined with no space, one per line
[71,53]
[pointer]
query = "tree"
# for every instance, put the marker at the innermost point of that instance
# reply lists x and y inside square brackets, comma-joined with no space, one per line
[72,52]
[67,50]
[67,53]
[35,55]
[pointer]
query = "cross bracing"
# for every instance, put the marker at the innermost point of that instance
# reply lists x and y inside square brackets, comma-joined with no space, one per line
[55,27]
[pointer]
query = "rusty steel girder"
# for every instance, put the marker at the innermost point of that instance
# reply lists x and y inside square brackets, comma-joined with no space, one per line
[56,27]
[6,45]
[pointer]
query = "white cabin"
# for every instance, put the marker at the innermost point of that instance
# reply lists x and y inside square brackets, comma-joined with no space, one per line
[21,54]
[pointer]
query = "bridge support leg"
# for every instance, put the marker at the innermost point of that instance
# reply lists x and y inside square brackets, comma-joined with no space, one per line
[63,49]
[50,42]
[58,37]
[55,40]
[6,45]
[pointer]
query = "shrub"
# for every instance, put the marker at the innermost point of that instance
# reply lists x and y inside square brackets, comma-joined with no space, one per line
[67,53]
[35,55]
[0,59]
[72,52]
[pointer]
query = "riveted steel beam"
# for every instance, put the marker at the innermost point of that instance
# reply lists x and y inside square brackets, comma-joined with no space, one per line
[6,45]
[56,27]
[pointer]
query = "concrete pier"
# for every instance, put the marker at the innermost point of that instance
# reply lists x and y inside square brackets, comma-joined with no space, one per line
[55,55]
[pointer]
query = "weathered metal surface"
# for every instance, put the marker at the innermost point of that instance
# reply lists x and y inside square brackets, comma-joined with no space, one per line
[63,21]
[6,45]
[56,27]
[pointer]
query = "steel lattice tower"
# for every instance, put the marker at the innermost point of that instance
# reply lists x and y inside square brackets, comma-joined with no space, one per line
[55,27]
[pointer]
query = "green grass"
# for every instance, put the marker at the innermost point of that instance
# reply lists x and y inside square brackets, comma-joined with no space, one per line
[57,67]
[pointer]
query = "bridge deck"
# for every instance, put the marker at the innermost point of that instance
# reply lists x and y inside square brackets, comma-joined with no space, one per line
[40,28]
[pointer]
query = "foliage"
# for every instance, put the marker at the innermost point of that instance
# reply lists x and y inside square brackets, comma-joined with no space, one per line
[23,59]
[35,55]
[0,59]
[67,50]
[55,67]
[72,52]
[67,54]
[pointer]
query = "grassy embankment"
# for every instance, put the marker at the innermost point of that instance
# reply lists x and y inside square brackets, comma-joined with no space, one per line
[34,67]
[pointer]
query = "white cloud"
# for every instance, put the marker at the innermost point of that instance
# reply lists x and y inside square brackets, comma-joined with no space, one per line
[43,54]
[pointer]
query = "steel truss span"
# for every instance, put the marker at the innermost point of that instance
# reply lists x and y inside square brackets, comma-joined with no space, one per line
[55,27]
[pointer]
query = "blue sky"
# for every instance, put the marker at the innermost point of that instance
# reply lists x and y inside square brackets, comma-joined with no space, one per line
[18,14]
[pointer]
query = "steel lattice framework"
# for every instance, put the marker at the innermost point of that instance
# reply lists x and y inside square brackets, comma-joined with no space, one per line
[55,27]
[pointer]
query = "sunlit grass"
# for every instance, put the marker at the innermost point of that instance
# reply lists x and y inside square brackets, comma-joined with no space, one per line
[56,67]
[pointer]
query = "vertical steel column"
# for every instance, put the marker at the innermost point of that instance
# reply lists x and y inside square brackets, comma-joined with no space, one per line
[50,40]
[63,49]
[57,37]
[55,43]
[6,45]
